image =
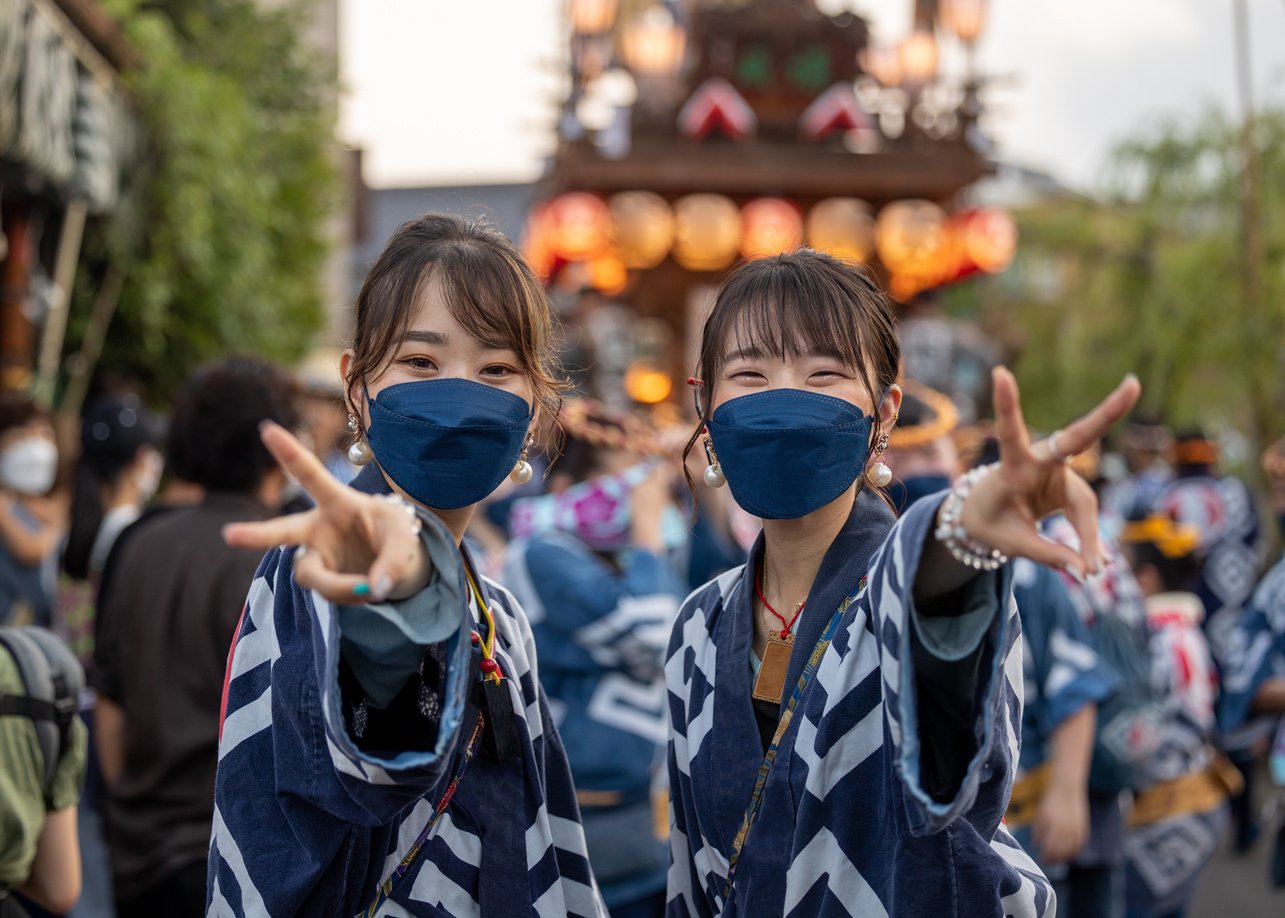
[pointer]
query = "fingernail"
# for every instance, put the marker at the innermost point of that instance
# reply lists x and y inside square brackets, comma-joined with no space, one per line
[361,589]
[1075,574]
[383,586]
[1131,377]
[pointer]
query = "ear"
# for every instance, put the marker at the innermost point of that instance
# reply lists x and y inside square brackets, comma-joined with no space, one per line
[889,408]
[353,403]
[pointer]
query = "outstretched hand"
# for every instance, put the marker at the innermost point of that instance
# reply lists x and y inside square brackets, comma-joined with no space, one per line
[1003,509]
[353,547]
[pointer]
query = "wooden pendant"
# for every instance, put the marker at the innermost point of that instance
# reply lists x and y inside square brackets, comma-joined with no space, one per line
[770,685]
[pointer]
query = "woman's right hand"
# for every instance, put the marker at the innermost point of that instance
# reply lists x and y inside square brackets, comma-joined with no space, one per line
[354,547]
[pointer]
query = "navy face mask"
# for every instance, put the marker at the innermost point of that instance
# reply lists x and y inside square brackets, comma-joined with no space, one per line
[787,452]
[447,442]
[917,487]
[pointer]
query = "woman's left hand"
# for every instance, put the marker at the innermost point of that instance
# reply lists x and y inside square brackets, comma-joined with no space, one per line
[1033,480]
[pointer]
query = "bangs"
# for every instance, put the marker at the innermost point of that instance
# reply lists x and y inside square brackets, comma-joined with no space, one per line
[782,308]
[491,297]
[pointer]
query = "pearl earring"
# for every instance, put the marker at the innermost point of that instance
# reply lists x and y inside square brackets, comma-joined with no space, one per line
[522,472]
[359,453]
[879,475]
[714,477]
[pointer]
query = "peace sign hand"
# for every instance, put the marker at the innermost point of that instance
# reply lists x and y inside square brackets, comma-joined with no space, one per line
[1004,508]
[353,547]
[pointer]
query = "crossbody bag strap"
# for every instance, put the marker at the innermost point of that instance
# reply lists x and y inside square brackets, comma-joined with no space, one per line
[765,767]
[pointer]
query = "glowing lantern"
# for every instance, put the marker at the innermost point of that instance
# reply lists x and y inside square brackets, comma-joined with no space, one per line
[590,17]
[653,43]
[537,246]
[646,384]
[770,226]
[910,237]
[842,227]
[883,62]
[642,228]
[707,231]
[608,274]
[990,239]
[918,57]
[578,225]
[965,18]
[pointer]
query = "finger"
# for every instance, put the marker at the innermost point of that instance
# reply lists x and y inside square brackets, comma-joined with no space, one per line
[1030,544]
[1010,425]
[1081,511]
[311,573]
[299,461]
[284,530]
[398,558]
[1082,433]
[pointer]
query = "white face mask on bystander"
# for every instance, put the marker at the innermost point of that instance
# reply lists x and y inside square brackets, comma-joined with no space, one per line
[29,466]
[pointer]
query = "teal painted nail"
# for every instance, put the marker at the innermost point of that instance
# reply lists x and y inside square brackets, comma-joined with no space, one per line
[361,589]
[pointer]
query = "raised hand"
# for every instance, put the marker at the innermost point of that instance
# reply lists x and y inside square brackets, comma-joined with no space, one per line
[1033,480]
[355,547]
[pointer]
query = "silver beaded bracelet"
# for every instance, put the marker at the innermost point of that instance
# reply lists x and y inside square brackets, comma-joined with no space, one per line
[951,533]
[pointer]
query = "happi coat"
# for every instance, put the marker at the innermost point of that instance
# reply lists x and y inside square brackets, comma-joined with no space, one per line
[321,793]
[846,826]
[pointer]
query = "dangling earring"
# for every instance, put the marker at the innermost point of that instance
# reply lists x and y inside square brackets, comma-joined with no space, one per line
[359,453]
[522,472]
[714,477]
[879,474]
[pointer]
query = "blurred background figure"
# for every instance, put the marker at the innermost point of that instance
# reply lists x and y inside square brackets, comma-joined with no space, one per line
[921,449]
[32,522]
[1145,446]
[324,422]
[1230,552]
[166,619]
[591,562]
[42,762]
[116,476]
[1179,817]
[1253,685]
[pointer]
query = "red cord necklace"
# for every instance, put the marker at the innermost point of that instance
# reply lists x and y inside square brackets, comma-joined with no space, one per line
[787,628]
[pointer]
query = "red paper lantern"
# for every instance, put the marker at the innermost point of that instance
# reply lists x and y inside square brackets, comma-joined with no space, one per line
[579,224]
[770,226]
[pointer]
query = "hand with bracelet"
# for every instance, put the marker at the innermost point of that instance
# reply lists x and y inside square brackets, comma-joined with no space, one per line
[994,512]
[353,547]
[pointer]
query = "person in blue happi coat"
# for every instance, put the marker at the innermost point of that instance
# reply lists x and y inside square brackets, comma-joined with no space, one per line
[592,563]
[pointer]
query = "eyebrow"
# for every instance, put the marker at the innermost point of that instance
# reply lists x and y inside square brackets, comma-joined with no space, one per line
[437,339]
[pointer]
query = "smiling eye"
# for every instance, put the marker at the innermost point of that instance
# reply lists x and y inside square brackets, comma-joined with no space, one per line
[498,370]
[419,363]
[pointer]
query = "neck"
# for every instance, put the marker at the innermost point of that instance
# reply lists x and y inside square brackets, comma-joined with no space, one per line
[794,549]
[456,521]
[122,494]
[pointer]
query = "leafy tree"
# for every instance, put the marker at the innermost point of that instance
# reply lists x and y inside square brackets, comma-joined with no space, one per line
[1150,277]
[222,246]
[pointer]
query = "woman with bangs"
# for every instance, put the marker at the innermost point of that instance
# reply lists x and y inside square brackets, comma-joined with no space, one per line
[845,709]
[385,746]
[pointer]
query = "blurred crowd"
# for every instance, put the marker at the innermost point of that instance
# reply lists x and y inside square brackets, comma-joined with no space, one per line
[1154,691]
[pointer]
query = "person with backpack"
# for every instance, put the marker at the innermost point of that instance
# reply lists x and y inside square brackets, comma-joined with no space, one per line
[42,763]
[1179,816]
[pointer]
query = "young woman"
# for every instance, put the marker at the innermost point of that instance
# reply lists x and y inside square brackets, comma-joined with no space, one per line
[845,709]
[386,747]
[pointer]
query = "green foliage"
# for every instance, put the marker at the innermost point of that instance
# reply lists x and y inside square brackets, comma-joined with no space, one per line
[1150,277]
[223,246]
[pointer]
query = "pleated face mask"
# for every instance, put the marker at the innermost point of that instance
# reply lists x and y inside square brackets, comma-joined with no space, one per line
[787,452]
[447,443]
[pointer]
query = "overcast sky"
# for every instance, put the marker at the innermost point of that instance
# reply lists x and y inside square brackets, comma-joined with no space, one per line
[463,91]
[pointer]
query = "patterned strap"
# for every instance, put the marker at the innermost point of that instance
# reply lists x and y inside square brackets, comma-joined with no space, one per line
[756,799]
[386,888]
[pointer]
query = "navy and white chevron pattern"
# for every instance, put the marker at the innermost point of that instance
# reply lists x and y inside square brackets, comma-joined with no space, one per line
[306,823]
[846,828]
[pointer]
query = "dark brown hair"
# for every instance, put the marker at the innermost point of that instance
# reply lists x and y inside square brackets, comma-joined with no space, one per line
[794,304]
[489,289]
